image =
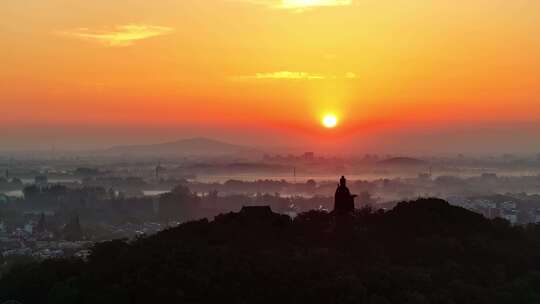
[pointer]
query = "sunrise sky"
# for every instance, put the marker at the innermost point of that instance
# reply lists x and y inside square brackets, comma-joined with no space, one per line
[413,75]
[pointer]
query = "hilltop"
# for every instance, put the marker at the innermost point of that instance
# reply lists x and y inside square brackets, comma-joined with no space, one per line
[424,251]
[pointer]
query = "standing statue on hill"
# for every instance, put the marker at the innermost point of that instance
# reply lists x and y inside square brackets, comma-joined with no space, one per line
[344,200]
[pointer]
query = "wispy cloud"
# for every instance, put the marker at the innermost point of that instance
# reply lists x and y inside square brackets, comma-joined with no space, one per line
[120,35]
[288,75]
[298,5]
[350,75]
[303,4]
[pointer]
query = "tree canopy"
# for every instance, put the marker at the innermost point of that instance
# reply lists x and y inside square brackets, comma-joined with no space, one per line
[423,251]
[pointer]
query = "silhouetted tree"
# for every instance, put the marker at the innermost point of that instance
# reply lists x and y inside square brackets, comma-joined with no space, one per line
[179,204]
[73,231]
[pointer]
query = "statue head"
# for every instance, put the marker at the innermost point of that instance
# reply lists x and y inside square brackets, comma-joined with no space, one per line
[342,181]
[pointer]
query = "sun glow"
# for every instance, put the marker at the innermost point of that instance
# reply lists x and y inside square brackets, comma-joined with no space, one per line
[330,121]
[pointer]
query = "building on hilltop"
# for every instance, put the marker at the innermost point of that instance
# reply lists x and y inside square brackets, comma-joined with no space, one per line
[257,211]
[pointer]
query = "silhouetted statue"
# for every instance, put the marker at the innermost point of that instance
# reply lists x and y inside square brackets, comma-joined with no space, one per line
[344,201]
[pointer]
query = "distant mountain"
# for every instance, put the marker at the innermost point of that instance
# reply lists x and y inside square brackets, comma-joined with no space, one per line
[198,146]
[402,162]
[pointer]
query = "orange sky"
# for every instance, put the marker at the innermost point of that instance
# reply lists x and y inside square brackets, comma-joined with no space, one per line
[267,65]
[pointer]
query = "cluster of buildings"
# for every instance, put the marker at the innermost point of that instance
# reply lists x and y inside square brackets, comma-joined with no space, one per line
[131,230]
[31,240]
[514,210]
[26,241]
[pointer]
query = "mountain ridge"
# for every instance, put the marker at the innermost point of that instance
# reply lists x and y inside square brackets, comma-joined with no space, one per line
[193,146]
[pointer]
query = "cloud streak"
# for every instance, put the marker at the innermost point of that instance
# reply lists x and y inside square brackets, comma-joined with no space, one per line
[120,35]
[298,5]
[288,75]
[304,4]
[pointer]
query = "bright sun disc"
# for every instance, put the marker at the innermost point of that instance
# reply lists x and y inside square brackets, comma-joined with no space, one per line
[329,120]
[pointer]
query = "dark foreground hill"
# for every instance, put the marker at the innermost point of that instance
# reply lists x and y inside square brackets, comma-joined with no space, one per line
[424,251]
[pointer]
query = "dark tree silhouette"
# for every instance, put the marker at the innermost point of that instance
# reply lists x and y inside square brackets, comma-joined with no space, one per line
[424,251]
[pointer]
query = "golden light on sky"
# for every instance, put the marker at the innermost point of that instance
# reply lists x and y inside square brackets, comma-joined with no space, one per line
[267,66]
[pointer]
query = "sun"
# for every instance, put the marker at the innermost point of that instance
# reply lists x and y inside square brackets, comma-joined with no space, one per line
[330,121]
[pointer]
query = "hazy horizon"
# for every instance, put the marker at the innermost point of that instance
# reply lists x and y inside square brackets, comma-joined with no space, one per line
[489,139]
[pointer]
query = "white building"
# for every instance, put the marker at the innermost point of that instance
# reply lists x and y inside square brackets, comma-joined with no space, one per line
[510,215]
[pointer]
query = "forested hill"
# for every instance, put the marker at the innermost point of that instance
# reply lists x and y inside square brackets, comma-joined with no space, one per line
[424,251]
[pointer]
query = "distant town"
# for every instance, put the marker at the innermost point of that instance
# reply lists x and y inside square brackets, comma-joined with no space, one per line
[60,206]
